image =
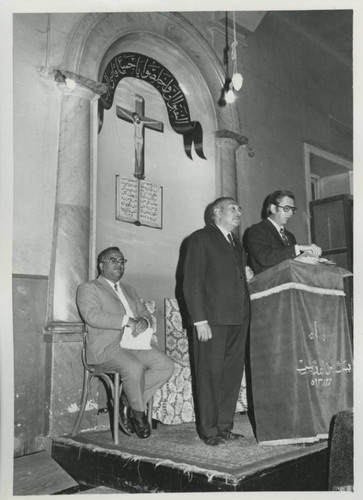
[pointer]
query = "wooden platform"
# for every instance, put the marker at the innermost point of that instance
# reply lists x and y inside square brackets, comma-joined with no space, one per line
[175,460]
[39,474]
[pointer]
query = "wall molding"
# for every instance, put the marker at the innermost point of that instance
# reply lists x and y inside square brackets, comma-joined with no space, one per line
[30,276]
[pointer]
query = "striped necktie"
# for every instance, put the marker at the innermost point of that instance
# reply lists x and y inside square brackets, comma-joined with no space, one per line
[230,239]
[284,237]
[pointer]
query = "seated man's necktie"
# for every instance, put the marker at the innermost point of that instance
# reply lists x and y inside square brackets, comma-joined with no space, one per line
[285,239]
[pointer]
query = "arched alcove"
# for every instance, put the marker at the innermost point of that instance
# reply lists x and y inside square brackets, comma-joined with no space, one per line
[187,184]
[95,40]
[95,36]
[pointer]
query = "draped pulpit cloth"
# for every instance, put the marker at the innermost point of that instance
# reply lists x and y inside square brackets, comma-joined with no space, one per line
[301,353]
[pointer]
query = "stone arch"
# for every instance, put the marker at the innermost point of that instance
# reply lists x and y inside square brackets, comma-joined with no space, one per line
[97,33]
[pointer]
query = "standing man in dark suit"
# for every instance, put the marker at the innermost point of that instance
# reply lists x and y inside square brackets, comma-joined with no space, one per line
[216,296]
[268,242]
[119,337]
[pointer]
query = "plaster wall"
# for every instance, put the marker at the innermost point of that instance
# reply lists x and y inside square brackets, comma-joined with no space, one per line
[36,133]
[295,90]
[292,93]
[188,185]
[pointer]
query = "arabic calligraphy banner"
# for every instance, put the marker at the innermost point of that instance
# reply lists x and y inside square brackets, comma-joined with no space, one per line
[301,356]
[131,64]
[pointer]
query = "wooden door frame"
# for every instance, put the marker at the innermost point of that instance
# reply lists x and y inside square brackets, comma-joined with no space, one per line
[334,158]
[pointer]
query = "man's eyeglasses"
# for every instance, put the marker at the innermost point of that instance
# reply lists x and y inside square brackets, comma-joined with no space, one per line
[287,208]
[113,260]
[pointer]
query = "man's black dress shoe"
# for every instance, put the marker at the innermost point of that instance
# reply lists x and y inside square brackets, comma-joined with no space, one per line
[213,440]
[141,426]
[125,419]
[228,435]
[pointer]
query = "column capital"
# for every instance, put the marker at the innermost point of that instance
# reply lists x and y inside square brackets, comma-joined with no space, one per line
[225,136]
[71,84]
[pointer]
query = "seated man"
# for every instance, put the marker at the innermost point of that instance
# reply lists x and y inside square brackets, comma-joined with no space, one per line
[268,242]
[119,339]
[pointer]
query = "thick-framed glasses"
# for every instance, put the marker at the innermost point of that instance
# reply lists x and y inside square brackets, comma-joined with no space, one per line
[287,208]
[113,260]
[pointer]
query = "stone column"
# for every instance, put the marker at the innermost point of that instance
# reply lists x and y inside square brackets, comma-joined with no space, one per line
[71,233]
[226,169]
[63,333]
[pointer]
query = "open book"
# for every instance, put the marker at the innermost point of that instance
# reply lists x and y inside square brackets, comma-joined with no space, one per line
[139,202]
[308,258]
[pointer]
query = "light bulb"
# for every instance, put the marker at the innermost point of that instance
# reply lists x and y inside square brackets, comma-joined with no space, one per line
[230,97]
[71,84]
[237,81]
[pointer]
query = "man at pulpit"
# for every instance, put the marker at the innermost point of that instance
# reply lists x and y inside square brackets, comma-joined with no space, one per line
[268,242]
[118,339]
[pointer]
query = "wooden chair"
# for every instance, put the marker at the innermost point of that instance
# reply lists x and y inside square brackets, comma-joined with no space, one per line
[114,386]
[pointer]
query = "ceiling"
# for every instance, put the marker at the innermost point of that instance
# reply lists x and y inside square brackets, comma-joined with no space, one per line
[331,30]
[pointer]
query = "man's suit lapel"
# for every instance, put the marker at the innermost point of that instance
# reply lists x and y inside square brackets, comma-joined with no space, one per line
[239,244]
[108,289]
[220,235]
[229,247]
[106,286]
[130,300]
[273,231]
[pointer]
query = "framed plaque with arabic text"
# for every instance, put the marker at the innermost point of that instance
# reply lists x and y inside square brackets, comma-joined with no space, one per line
[139,202]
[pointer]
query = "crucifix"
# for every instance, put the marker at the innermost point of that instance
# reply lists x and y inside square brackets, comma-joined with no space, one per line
[140,122]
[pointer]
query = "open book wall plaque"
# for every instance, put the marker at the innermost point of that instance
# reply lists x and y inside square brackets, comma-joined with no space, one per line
[139,202]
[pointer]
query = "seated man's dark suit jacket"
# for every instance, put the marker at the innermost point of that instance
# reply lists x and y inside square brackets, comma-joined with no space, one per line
[266,248]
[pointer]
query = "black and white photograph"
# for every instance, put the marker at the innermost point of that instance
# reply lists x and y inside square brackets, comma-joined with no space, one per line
[179,301]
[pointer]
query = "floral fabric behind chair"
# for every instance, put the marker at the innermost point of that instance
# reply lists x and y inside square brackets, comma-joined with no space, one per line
[173,402]
[150,306]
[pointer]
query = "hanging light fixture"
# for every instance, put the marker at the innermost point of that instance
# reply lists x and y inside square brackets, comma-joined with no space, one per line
[237,79]
[234,83]
[227,86]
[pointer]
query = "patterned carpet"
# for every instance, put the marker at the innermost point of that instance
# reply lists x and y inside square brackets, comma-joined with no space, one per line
[180,447]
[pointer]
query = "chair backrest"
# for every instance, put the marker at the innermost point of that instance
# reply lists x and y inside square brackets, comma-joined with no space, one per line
[176,340]
[84,359]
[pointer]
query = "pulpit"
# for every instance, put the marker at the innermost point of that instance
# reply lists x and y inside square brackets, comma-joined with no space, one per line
[301,353]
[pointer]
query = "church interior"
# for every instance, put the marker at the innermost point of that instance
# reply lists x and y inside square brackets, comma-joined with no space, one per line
[232,104]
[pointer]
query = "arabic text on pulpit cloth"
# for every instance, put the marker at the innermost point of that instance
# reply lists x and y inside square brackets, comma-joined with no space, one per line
[301,353]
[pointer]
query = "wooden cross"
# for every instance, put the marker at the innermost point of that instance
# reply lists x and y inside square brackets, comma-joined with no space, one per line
[140,122]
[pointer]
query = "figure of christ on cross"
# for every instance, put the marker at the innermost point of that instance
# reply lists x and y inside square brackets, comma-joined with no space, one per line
[140,122]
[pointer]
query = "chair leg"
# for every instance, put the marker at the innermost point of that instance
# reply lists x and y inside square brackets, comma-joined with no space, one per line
[116,408]
[85,391]
[150,412]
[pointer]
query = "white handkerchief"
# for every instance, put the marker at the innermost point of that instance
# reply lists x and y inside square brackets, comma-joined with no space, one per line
[142,341]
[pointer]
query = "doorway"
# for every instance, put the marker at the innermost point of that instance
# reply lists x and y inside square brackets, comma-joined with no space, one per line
[327,174]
